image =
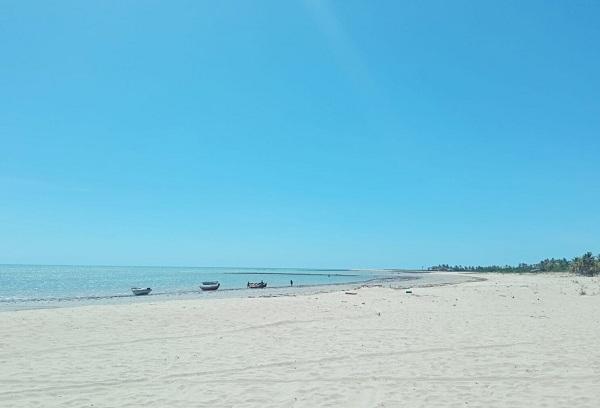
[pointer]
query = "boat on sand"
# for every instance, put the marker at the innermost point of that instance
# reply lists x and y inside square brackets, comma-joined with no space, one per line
[257,285]
[211,285]
[141,291]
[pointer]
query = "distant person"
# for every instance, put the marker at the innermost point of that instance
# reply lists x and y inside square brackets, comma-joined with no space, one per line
[291,282]
[248,285]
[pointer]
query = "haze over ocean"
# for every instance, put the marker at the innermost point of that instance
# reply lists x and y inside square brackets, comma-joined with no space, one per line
[299,133]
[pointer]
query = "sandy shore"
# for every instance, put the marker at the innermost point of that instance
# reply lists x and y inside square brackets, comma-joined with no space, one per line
[510,341]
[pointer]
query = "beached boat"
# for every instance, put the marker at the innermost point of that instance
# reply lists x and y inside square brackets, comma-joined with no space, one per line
[257,285]
[141,291]
[212,285]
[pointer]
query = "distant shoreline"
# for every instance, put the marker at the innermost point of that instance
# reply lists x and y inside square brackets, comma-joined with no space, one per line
[393,280]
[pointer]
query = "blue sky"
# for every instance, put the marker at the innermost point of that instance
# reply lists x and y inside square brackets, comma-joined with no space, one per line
[300,133]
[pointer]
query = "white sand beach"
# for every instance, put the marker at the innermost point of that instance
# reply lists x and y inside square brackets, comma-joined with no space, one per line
[510,341]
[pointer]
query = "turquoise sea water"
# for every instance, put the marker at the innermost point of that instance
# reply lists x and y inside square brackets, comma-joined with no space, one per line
[26,284]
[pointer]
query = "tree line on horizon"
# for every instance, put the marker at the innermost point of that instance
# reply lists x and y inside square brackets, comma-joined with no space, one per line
[586,264]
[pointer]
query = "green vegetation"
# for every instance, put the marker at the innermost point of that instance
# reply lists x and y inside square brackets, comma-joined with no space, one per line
[586,264]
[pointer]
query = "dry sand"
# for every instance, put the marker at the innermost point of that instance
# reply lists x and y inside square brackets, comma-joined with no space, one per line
[510,341]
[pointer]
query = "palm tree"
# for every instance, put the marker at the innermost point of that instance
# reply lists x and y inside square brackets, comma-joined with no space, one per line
[586,265]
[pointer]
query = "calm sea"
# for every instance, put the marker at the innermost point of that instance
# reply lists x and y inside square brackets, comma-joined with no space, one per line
[37,284]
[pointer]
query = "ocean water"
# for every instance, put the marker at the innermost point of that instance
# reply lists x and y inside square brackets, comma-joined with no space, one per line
[25,285]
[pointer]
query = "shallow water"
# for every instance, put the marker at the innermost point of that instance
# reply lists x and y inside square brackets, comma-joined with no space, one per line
[44,283]
[44,286]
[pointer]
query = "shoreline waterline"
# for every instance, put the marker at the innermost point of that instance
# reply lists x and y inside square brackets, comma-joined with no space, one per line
[395,279]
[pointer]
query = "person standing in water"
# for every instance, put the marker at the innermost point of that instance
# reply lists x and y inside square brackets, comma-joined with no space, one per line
[291,282]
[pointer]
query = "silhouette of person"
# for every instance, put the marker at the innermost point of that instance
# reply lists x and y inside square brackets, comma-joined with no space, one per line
[291,282]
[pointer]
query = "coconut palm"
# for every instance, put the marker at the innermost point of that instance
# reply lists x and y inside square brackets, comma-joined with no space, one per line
[586,264]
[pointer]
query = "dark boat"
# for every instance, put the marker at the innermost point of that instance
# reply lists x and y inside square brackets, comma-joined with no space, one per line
[212,285]
[141,291]
[257,285]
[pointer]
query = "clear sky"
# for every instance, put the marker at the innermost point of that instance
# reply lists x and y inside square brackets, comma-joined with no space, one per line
[298,133]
